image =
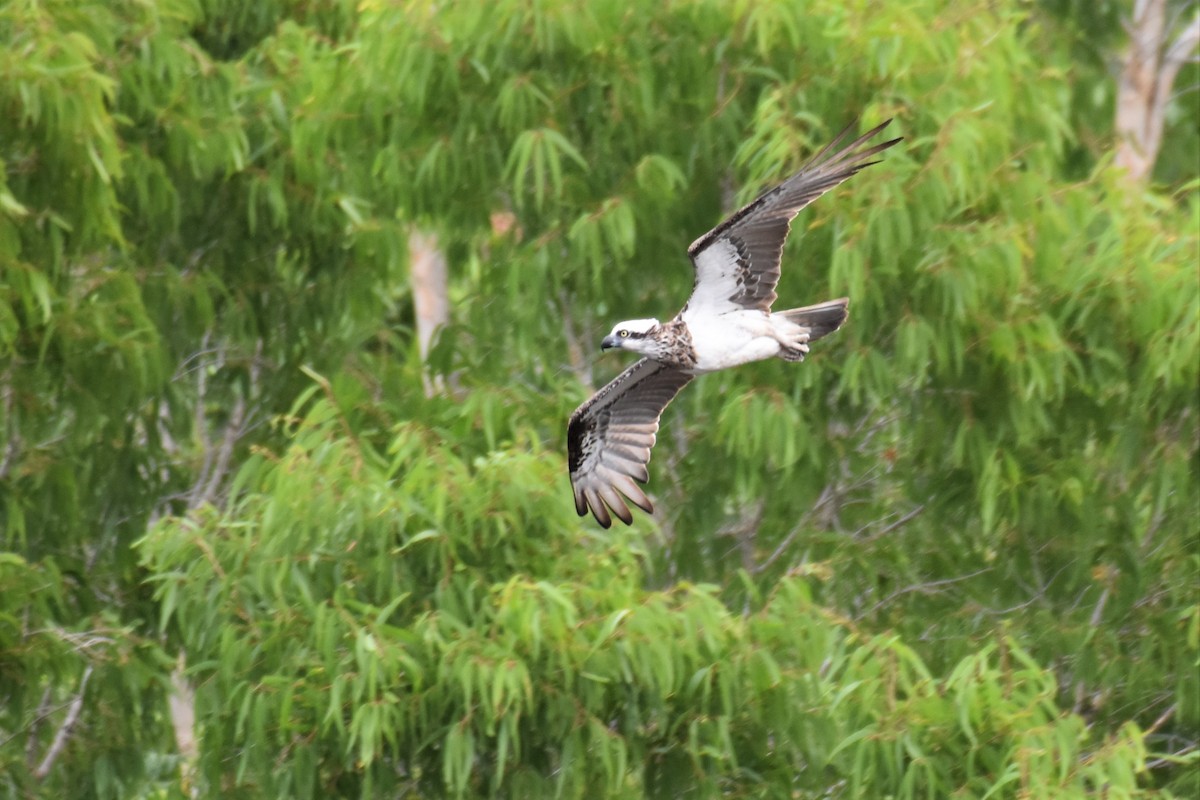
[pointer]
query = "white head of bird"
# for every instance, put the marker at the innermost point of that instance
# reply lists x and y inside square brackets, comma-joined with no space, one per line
[632,335]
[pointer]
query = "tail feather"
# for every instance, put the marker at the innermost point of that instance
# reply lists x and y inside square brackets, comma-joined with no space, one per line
[821,319]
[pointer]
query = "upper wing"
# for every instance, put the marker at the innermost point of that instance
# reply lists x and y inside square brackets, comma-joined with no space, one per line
[737,262]
[609,439]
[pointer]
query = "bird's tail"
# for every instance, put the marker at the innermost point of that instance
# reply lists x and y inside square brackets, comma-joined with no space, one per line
[821,319]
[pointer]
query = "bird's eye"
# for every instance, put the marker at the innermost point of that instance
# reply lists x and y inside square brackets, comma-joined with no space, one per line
[623,334]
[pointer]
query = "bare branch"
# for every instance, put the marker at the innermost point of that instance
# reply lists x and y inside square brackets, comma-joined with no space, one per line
[217,456]
[200,424]
[828,494]
[1183,49]
[39,716]
[64,730]
[1162,720]
[1187,89]
[923,588]
[744,532]
[79,640]
[186,365]
[900,523]
[1098,611]
[1175,758]
[13,444]
[224,453]
[847,489]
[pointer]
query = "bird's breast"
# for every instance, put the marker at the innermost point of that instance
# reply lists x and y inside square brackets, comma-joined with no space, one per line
[722,341]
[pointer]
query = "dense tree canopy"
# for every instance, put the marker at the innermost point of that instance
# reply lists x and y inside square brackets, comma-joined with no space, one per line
[248,548]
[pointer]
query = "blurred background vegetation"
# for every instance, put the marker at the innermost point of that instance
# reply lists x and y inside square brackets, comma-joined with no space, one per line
[296,297]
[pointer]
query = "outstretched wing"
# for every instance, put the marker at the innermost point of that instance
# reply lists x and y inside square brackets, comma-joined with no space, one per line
[609,439]
[737,262]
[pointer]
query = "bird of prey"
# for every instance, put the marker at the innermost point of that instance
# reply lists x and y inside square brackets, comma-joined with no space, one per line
[726,322]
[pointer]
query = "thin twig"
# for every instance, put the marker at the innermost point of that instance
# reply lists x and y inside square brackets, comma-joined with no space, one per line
[201,427]
[1174,759]
[64,730]
[13,446]
[744,531]
[43,711]
[1162,720]
[1156,521]
[1098,611]
[827,494]
[904,520]
[922,587]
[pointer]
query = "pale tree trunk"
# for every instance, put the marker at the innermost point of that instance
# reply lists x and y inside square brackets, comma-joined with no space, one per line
[427,276]
[1148,72]
[182,706]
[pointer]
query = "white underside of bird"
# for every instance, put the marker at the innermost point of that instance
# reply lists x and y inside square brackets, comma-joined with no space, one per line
[721,341]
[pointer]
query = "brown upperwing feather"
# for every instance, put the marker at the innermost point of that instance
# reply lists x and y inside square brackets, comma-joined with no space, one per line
[610,436]
[758,230]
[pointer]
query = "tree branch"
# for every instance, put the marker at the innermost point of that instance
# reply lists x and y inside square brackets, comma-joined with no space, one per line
[39,716]
[900,523]
[1148,72]
[922,587]
[13,444]
[64,730]
[218,456]
[827,495]
[744,531]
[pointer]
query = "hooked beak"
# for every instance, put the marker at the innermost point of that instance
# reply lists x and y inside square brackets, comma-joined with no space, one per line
[610,342]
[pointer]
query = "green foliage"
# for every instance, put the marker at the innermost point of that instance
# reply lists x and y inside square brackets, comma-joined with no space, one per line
[951,555]
[421,656]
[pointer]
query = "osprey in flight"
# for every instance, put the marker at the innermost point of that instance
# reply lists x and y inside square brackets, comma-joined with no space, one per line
[726,322]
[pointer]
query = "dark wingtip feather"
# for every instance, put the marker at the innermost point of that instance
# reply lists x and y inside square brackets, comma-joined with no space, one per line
[600,512]
[648,507]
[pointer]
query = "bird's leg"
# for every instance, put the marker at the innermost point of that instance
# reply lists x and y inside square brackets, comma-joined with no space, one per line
[793,337]
[793,341]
